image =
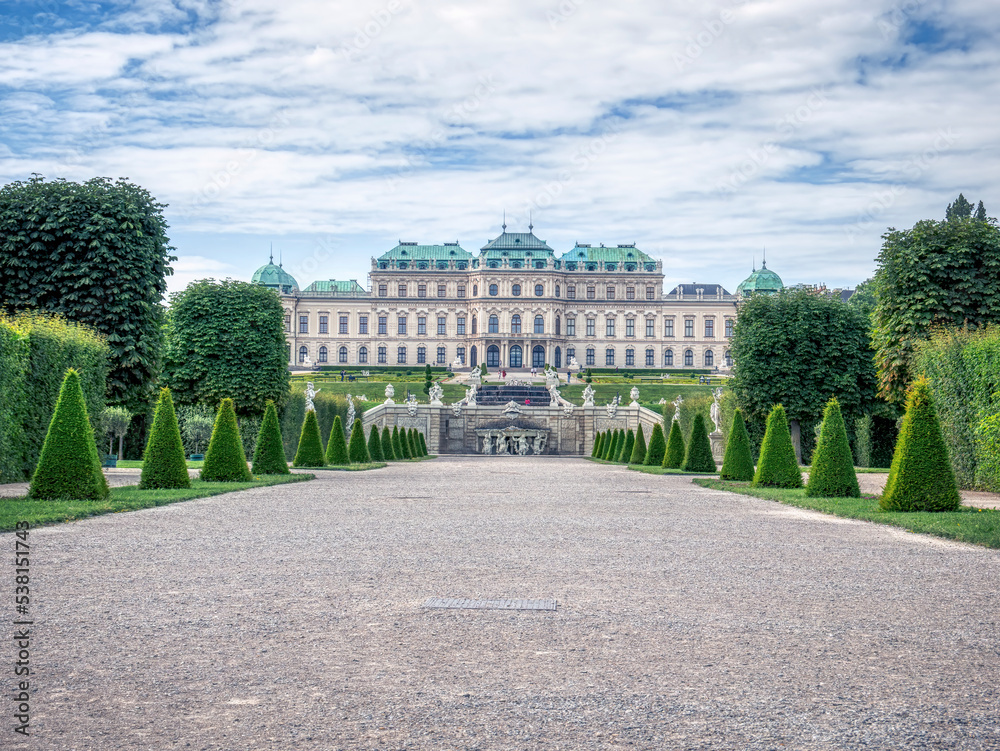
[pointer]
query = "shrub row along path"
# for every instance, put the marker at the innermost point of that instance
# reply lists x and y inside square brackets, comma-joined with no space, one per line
[116,478]
[292,617]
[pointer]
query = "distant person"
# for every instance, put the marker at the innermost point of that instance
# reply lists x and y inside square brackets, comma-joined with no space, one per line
[342,375]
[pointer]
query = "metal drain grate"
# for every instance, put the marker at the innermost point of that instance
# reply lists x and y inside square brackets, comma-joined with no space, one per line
[458,603]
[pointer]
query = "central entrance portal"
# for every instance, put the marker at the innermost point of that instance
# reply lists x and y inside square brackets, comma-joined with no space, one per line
[538,356]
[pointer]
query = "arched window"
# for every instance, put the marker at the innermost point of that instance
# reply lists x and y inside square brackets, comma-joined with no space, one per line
[494,326]
[609,356]
[668,358]
[709,359]
[538,356]
[729,359]
[473,357]
[475,325]
[558,325]
[630,357]
[516,290]
[558,362]
[303,353]
[688,358]
[516,361]
[650,358]
[539,325]
[539,290]
[322,354]
[363,355]
[494,290]
[591,355]
[475,290]
[515,324]
[493,356]
[342,355]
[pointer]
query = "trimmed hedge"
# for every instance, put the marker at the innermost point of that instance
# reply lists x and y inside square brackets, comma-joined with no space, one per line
[921,477]
[832,472]
[163,463]
[698,457]
[777,466]
[673,457]
[224,459]
[388,450]
[626,453]
[656,449]
[357,450]
[638,447]
[328,406]
[269,453]
[375,445]
[336,445]
[69,467]
[737,464]
[310,452]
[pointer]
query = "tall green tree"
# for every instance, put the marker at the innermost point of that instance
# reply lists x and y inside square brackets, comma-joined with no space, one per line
[980,215]
[960,209]
[935,274]
[799,349]
[97,253]
[227,340]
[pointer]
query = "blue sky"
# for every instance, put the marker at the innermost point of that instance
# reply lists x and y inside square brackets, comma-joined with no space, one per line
[702,132]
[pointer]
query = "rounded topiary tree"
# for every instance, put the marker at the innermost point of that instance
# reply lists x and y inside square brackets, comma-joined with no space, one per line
[224,458]
[423,445]
[269,453]
[921,477]
[626,453]
[388,451]
[310,451]
[738,462]
[163,464]
[69,466]
[656,449]
[358,449]
[638,447]
[698,457]
[673,457]
[777,466]
[375,445]
[336,446]
[832,472]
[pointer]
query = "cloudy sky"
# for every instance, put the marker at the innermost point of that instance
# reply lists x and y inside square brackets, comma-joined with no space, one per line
[702,131]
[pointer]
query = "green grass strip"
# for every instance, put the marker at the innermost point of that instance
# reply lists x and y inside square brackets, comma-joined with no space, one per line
[127,498]
[972,525]
[347,467]
[648,469]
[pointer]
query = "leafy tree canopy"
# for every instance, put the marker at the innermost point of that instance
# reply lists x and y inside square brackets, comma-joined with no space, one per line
[98,253]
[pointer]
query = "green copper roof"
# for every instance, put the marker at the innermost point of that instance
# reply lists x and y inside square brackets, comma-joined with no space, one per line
[518,245]
[275,277]
[333,285]
[415,252]
[620,254]
[762,281]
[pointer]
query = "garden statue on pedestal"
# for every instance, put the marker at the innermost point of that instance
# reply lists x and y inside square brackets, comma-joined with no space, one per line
[411,405]
[634,396]
[311,392]
[588,396]
[436,393]
[389,393]
[351,412]
[677,407]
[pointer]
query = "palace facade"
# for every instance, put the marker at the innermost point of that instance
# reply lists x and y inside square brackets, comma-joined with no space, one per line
[517,304]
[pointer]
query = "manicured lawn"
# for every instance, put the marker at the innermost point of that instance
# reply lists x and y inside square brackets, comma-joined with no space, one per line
[977,526]
[128,498]
[870,470]
[137,464]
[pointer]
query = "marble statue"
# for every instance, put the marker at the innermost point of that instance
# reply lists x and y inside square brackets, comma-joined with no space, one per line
[634,396]
[551,378]
[488,444]
[574,365]
[457,409]
[351,412]
[411,405]
[436,393]
[612,408]
[470,395]
[522,445]
[512,410]
[457,364]
[311,392]
[501,445]
[539,443]
[588,396]
[677,407]
[716,411]
[389,393]
[475,377]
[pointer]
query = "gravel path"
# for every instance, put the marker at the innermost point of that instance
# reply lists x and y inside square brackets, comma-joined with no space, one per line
[290,617]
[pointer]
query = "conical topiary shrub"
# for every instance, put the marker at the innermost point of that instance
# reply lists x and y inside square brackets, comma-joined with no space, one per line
[397,445]
[832,472]
[358,449]
[607,447]
[698,457]
[269,454]
[310,451]
[596,451]
[387,448]
[407,443]
[375,445]
[224,459]
[163,464]
[69,466]
[423,445]
[639,447]
[411,448]
[656,449]
[738,462]
[626,453]
[616,447]
[921,477]
[416,443]
[777,466]
[336,446]
[673,457]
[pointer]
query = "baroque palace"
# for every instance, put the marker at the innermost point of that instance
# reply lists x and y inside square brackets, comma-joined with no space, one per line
[514,305]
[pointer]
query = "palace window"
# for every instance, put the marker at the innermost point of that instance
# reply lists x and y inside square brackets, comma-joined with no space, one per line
[630,293]
[650,327]
[729,359]
[421,355]
[475,325]
[383,324]
[460,354]
[668,358]
[288,322]
[342,355]
[688,358]
[421,290]
[570,326]
[609,327]
[630,357]
[441,290]
[516,359]
[539,325]
[591,326]
[557,290]
[383,290]
[609,356]
[516,291]
[729,327]
[475,290]
[323,354]
[461,290]
[629,327]
[401,356]
[494,325]
[570,354]
[709,327]
[343,324]
[421,326]
[401,325]
[650,358]
[709,359]
[570,292]
[442,325]
[362,324]
[650,293]
[668,327]
[493,356]
[382,355]
[303,324]
[461,326]
[591,293]
[539,290]
[442,354]
[303,354]
[494,290]
[402,290]
[591,355]
[610,293]
[324,324]
[688,327]
[558,325]
[363,355]
[515,324]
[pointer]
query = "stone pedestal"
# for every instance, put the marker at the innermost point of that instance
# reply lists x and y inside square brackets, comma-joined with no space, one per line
[718,446]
